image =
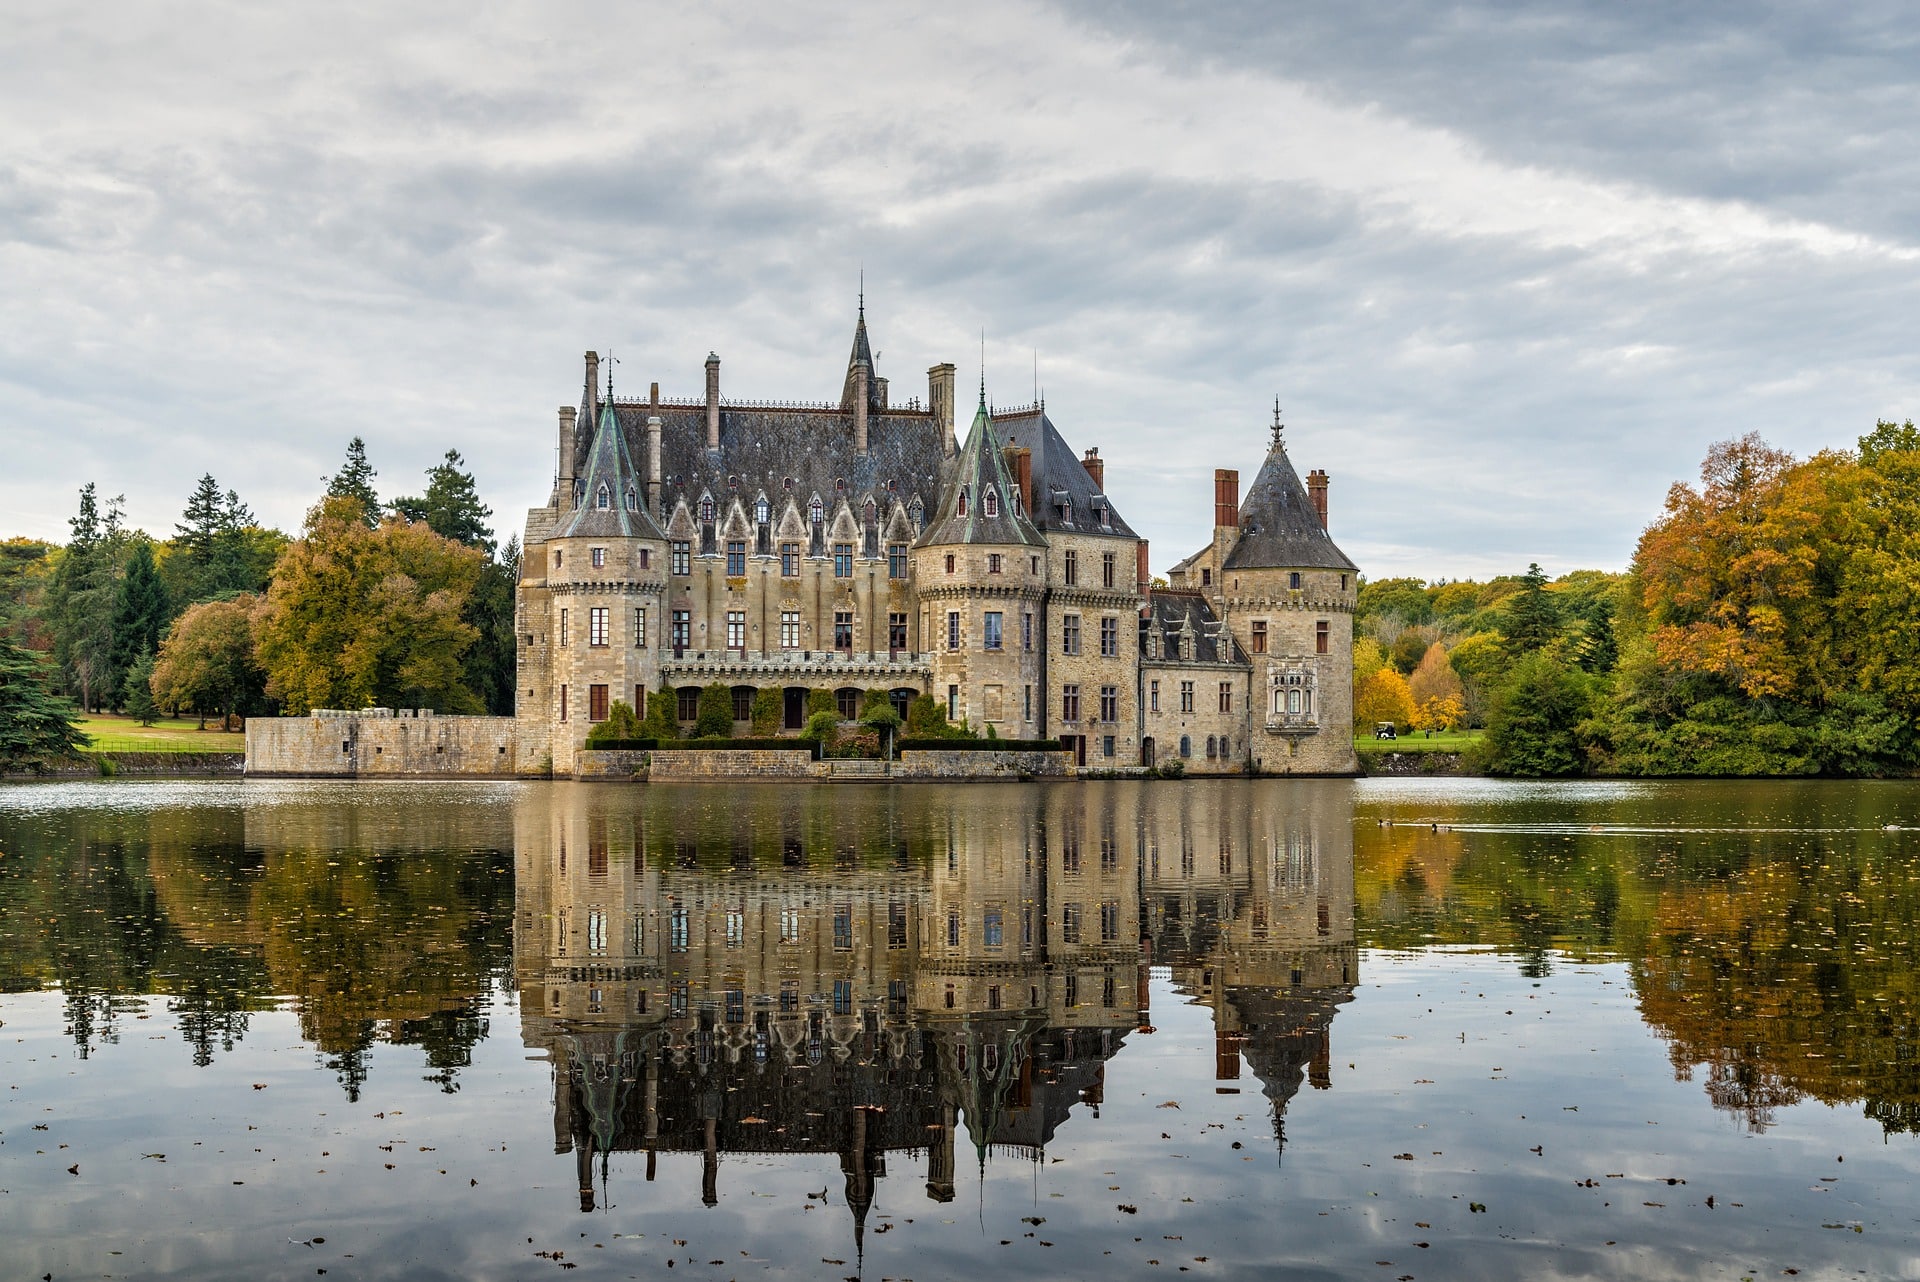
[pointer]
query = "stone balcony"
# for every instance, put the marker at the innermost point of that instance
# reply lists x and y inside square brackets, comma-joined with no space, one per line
[1293,723]
[794,667]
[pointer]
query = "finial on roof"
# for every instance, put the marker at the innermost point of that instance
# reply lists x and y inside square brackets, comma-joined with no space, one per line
[612,360]
[1278,426]
[983,368]
[863,291]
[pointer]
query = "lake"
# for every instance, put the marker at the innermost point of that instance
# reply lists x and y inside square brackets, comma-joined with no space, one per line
[1387,1029]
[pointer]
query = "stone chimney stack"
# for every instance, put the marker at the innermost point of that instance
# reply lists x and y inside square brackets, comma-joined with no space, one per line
[1142,575]
[861,389]
[591,401]
[940,401]
[1023,477]
[563,475]
[879,392]
[1317,491]
[1226,498]
[1095,468]
[653,460]
[713,401]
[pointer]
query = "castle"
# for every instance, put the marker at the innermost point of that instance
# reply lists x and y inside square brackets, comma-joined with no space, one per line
[860,544]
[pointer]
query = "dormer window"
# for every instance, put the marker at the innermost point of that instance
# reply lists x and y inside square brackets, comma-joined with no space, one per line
[990,502]
[867,511]
[916,512]
[761,510]
[706,507]
[816,511]
[603,500]
[962,508]
[633,500]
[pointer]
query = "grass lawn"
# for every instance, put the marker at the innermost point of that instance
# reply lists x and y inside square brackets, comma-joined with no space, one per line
[1417,741]
[124,734]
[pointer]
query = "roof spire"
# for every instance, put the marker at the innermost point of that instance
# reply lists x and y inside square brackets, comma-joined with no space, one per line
[612,360]
[983,367]
[1278,426]
[863,291]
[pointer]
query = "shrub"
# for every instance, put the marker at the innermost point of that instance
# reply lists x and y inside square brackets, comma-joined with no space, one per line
[767,712]
[620,724]
[715,717]
[662,720]
[819,701]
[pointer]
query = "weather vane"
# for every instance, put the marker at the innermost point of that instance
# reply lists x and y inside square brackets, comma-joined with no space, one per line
[612,360]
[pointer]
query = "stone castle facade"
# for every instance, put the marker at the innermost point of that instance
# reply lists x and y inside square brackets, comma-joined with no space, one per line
[861,544]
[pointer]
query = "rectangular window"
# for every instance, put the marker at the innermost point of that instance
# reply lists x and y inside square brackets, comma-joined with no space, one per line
[646,560]
[789,560]
[640,699]
[953,928]
[1226,696]
[1026,631]
[736,1006]
[677,930]
[1026,703]
[993,563]
[843,926]
[1073,990]
[953,629]
[789,995]
[896,923]
[682,629]
[992,629]
[843,560]
[1109,704]
[1206,577]
[993,933]
[596,703]
[843,629]
[1106,746]
[1293,580]
[789,925]
[563,703]
[1106,569]
[1026,926]
[640,627]
[597,627]
[789,629]
[896,560]
[680,557]
[1186,696]
[736,927]
[564,629]
[1070,703]
[1320,637]
[736,629]
[687,703]
[1259,636]
[953,703]
[1110,921]
[896,632]
[1072,567]
[1070,924]
[843,997]
[1070,634]
[598,556]
[1153,696]
[1110,637]
[736,557]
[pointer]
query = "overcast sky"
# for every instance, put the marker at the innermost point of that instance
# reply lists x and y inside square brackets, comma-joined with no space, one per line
[1510,269]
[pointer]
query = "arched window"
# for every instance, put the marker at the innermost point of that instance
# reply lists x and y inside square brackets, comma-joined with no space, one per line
[1278,700]
[633,500]
[1306,701]
[990,502]
[1210,751]
[816,511]
[1186,745]
[867,512]
[706,508]
[916,512]
[962,509]
[1293,701]
[603,500]
[761,510]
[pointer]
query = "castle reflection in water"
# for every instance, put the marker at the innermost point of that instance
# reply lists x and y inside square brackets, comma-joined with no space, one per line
[899,975]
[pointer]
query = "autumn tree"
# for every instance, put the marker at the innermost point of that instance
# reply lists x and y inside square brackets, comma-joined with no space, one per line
[1383,697]
[360,616]
[1434,678]
[207,663]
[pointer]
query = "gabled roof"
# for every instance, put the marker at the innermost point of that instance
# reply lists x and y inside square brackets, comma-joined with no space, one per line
[1279,528]
[1174,613]
[1059,477]
[610,470]
[978,472]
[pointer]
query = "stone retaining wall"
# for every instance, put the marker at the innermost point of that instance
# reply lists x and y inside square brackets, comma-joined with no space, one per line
[143,765]
[697,765]
[612,765]
[380,743]
[940,763]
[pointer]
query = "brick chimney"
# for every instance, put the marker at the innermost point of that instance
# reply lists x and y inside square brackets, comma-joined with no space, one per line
[713,401]
[1142,574]
[1317,491]
[591,401]
[1226,497]
[940,401]
[1095,468]
[1023,477]
[861,391]
[563,483]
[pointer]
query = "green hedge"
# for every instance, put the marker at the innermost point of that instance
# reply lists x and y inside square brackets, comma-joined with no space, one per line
[980,745]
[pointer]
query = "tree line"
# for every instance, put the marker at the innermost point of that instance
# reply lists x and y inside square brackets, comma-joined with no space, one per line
[405,603]
[1765,627]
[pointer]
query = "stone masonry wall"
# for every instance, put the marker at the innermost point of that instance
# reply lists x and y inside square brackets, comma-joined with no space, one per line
[380,742]
[693,765]
[935,763]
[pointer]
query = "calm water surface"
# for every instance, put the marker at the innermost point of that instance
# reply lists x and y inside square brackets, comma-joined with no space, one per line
[1386,1030]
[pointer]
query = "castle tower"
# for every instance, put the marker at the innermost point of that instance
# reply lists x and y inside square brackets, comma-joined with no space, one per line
[590,600]
[981,570]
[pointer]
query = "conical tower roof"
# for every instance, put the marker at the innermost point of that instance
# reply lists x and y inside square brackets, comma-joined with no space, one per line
[613,502]
[860,358]
[1279,527]
[979,483]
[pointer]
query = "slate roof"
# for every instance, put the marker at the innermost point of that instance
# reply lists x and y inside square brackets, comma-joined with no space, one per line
[980,472]
[1173,613]
[609,470]
[1058,477]
[1279,528]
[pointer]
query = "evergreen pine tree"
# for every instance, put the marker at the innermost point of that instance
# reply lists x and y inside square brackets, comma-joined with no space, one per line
[1532,619]
[141,614]
[451,507]
[82,601]
[36,726]
[136,694]
[355,481]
